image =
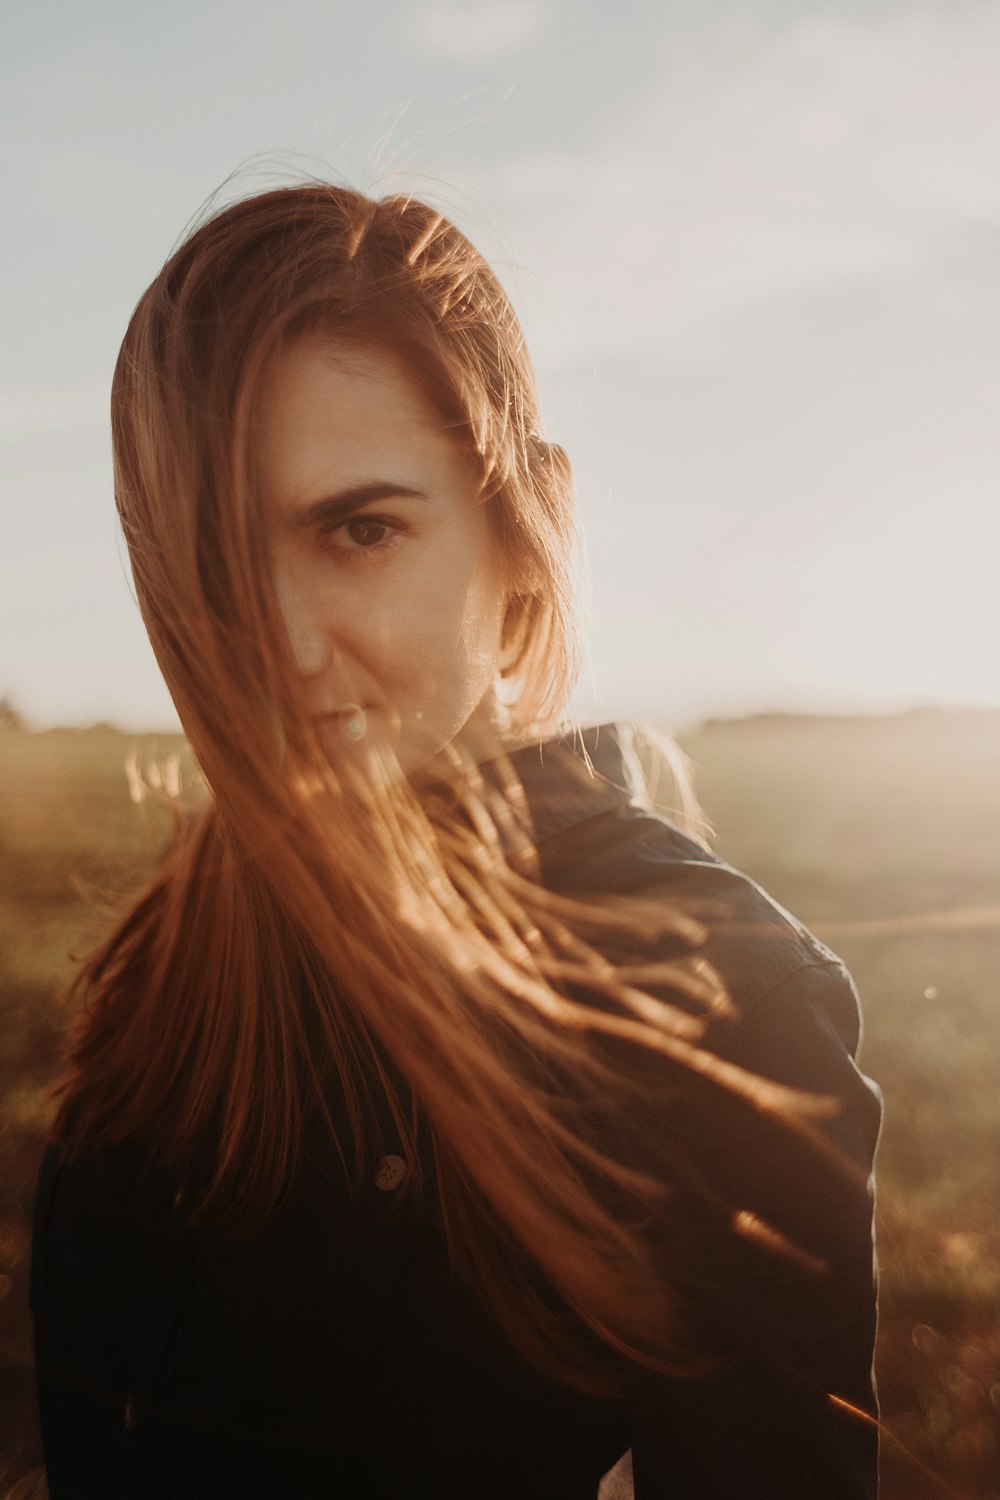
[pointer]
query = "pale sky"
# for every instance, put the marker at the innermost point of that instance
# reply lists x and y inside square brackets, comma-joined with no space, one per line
[756,248]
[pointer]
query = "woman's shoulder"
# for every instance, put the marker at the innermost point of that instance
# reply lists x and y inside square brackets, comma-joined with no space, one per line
[793,1015]
[600,836]
[763,1135]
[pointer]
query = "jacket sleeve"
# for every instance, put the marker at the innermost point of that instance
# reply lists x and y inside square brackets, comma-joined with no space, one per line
[784,1303]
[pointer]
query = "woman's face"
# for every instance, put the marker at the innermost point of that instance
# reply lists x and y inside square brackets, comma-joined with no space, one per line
[388,577]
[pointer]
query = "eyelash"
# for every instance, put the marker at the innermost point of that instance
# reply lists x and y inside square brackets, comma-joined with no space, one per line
[362,553]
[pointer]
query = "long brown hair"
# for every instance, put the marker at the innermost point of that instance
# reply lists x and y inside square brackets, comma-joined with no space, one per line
[304,939]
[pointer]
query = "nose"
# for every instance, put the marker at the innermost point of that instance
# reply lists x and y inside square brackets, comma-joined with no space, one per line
[311,643]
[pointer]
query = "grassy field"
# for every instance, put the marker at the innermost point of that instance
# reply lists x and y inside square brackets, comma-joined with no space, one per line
[884,835]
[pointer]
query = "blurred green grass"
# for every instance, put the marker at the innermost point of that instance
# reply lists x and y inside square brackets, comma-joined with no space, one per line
[882,834]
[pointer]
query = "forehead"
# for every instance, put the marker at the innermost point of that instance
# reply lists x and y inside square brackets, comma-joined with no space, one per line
[332,410]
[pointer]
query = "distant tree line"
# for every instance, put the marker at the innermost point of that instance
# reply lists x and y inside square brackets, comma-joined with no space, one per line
[10,718]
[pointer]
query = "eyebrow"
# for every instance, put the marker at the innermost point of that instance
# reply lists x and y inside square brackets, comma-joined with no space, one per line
[345,502]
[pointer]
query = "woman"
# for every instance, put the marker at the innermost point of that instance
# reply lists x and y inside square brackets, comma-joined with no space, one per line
[441,1120]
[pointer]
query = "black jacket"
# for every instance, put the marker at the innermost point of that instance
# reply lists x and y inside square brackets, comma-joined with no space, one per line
[335,1355]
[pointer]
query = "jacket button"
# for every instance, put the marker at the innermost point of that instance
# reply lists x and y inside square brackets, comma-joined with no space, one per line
[389,1173]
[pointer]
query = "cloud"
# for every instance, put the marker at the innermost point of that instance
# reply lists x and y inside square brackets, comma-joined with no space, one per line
[766,162]
[478,30]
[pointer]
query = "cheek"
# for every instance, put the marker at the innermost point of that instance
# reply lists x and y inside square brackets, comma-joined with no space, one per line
[465,605]
[455,653]
[486,606]
[459,646]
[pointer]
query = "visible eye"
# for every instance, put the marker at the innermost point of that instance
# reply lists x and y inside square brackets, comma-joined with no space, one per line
[363,536]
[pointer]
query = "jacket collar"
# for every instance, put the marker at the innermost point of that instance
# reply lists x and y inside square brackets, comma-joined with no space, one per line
[577,776]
